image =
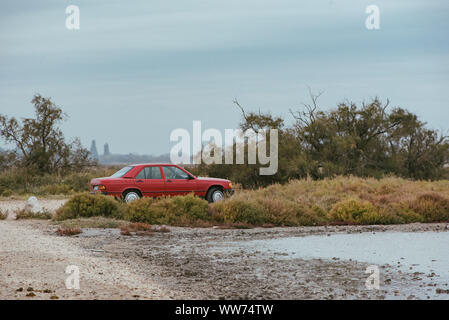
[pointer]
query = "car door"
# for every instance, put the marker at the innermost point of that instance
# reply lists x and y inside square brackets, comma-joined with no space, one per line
[178,182]
[150,182]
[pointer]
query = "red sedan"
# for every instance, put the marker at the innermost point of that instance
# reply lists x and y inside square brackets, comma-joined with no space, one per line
[159,180]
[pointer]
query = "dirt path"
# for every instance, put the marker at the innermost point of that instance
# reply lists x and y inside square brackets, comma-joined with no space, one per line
[30,258]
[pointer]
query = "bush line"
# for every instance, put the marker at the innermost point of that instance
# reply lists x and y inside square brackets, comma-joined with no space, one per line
[342,200]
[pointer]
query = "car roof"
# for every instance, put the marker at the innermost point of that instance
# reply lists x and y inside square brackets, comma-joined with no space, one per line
[152,164]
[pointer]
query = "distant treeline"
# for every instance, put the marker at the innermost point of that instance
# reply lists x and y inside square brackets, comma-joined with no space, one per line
[369,140]
[40,148]
[113,159]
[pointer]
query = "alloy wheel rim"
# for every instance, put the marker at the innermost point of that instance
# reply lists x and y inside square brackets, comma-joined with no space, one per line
[131,197]
[217,196]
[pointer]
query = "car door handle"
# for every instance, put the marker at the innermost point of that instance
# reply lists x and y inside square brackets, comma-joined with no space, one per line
[139,181]
[168,180]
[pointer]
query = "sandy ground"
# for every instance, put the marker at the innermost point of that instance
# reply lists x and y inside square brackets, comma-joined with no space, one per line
[31,259]
[11,206]
[189,264]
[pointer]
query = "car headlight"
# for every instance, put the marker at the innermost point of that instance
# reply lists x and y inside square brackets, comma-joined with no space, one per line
[96,188]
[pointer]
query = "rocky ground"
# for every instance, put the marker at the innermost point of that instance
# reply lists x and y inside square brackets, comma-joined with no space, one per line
[188,263]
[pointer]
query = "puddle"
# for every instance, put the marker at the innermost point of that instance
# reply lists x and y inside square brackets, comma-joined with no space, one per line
[95,232]
[426,252]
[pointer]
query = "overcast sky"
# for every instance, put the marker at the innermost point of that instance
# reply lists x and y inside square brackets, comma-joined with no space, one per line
[136,70]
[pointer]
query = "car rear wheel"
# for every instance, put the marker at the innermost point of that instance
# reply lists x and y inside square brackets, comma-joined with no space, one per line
[215,195]
[130,196]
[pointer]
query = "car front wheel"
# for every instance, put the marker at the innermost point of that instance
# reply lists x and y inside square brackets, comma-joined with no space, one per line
[215,195]
[130,196]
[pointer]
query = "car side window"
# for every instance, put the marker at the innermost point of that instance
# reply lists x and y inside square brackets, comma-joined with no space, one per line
[141,174]
[174,173]
[153,173]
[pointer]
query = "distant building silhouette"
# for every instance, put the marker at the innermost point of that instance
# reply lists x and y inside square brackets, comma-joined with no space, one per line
[93,150]
[106,149]
[107,158]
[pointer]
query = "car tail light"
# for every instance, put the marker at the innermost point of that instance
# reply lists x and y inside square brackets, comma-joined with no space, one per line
[230,185]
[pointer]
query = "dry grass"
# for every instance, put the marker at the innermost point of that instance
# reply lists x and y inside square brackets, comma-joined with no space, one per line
[3,214]
[135,227]
[68,231]
[341,200]
[93,222]
[26,214]
[140,228]
[21,182]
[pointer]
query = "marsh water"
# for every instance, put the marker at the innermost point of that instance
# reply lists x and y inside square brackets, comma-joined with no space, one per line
[426,253]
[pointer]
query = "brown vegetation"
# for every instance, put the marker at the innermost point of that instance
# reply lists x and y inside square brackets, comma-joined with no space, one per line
[68,231]
[3,214]
[26,214]
[343,200]
[141,228]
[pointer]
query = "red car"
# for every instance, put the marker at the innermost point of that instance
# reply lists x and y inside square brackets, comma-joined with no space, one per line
[159,180]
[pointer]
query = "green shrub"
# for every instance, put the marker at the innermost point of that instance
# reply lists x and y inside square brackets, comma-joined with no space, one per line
[353,211]
[180,210]
[6,193]
[146,210]
[235,211]
[281,212]
[378,217]
[86,205]
[403,213]
[432,207]
[188,207]
[311,216]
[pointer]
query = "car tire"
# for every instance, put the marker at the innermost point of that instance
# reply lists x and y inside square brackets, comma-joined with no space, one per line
[214,195]
[131,195]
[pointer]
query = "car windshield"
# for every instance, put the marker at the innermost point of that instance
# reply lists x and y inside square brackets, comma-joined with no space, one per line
[121,172]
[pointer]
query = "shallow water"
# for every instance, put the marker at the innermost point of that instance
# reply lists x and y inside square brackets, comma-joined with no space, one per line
[95,232]
[425,252]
